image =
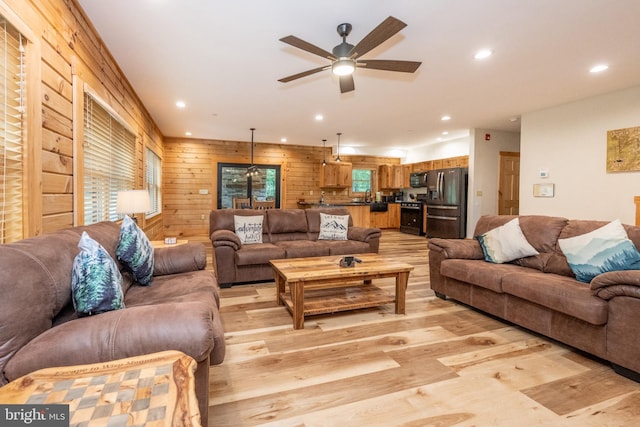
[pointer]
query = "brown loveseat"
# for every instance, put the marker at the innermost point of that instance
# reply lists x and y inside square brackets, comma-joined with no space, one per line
[39,327]
[541,293]
[286,233]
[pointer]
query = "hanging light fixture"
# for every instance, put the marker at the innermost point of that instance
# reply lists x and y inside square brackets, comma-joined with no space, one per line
[324,156]
[253,169]
[338,158]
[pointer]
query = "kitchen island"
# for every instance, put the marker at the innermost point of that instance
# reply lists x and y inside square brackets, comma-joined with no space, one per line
[362,214]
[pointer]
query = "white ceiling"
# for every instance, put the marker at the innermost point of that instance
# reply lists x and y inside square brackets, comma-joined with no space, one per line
[224,58]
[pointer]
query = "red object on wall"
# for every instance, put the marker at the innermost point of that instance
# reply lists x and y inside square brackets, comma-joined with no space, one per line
[487,137]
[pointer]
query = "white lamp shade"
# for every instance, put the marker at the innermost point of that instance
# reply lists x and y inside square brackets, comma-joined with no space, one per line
[133,201]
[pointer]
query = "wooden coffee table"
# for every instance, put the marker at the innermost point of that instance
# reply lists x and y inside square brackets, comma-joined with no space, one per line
[343,288]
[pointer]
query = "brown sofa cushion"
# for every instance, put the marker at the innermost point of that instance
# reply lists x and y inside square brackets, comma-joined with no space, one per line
[560,293]
[259,253]
[345,247]
[303,248]
[287,221]
[477,272]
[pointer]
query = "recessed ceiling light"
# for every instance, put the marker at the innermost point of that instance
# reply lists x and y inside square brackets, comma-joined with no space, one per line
[599,68]
[445,118]
[319,117]
[445,133]
[188,133]
[483,54]
[283,139]
[181,104]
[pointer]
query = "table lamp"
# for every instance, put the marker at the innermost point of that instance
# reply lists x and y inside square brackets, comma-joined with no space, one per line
[131,202]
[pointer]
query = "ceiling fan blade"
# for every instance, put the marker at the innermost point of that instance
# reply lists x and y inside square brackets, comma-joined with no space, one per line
[389,65]
[377,36]
[302,74]
[301,44]
[346,83]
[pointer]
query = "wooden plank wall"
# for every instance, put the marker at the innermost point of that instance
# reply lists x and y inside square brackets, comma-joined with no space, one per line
[70,52]
[69,46]
[190,165]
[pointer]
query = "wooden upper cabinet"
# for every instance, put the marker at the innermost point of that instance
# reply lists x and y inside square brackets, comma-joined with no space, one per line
[456,162]
[390,177]
[423,166]
[336,175]
[406,176]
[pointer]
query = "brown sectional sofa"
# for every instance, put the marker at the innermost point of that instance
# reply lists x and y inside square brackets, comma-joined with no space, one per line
[540,292]
[286,233]
[39,327]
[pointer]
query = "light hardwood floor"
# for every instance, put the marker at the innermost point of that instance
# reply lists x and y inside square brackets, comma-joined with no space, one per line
[440,364]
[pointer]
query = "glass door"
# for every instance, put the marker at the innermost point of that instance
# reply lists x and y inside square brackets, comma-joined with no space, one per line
[233,182]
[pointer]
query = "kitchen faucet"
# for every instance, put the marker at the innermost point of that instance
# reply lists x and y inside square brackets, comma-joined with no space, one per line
[367,196]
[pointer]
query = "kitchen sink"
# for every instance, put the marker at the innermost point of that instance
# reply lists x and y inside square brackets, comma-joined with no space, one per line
[378,207]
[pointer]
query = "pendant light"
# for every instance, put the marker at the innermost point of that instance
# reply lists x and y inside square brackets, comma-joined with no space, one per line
[338,158]
[253,169]
[324,156]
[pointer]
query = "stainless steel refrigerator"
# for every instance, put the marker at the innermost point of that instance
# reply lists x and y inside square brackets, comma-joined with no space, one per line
[447,203]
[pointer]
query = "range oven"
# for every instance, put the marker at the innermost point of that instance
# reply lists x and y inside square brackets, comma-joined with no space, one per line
[411,217]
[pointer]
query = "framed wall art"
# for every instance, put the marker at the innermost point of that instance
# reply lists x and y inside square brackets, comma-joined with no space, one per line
[623,150]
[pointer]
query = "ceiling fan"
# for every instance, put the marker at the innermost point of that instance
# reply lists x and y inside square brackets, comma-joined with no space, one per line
[345,57]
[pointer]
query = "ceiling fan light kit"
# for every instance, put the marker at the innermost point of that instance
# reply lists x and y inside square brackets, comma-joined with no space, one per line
[343,67]
[345,57]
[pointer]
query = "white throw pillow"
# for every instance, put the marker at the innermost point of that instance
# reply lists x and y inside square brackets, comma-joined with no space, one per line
[506,243]
[248,228]
[607,248]
[333,227]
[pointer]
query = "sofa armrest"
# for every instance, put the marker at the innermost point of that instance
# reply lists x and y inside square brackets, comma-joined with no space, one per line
[133,331]
[225,238]
[457,248]
[179,259]
[363,234]
[616,283]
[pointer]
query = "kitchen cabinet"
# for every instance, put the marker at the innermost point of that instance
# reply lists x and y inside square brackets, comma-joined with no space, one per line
[336,175]
[406,175]
[379,219]
[360,215]
[390,177]
[388,219]
[394,215]
[456,162]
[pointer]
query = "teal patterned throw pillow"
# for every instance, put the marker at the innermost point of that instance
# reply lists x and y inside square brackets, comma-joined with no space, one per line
[96,282]
[505,243]
[604,249]
[135,251]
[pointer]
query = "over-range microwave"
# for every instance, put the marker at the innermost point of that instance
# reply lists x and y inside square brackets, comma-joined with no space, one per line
[418,179]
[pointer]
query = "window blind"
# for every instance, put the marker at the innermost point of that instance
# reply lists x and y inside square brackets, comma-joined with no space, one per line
[12,98]
[109,162]
[153,178]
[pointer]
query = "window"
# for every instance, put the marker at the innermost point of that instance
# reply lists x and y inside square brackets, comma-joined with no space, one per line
[12,116]
[109,161]
[234,183]
[153,181]
[360,180]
